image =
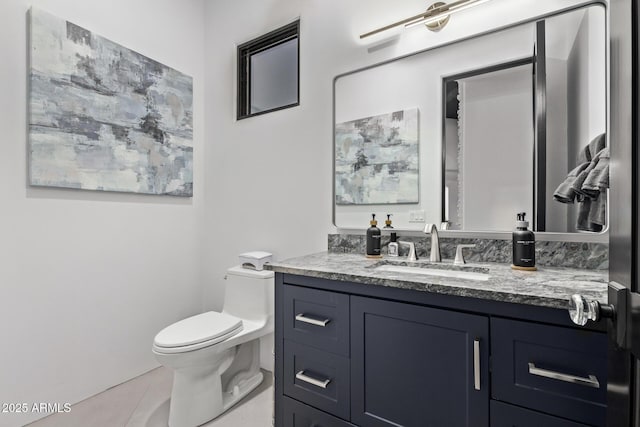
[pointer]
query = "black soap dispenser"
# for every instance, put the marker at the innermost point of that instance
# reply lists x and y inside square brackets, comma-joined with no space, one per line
[524,246]
[373,239]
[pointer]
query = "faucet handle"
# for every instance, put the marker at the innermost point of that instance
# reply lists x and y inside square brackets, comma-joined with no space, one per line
[429,228]
[412,250]
[459,255]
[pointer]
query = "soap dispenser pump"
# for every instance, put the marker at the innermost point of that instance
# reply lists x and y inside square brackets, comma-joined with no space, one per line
[524,245]
[387,222]
[373,239]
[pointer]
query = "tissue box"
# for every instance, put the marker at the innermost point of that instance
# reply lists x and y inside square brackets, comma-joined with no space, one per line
[255,260]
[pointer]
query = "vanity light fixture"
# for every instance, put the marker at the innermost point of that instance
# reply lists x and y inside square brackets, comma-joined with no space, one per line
[435,18]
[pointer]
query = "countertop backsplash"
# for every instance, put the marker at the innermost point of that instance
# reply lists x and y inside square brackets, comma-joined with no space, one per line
[591,256]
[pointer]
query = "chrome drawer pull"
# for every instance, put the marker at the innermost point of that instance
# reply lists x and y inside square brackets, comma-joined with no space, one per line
[592,381]
[476,364]
[307,379]
[303,318]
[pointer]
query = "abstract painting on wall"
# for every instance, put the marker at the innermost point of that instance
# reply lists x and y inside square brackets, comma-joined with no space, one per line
[377,159]
[103,117]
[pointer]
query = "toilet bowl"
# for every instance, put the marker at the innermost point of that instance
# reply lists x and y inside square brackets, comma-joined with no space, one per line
[215,356]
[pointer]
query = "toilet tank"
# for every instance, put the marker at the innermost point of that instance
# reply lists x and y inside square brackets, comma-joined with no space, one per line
[249,294]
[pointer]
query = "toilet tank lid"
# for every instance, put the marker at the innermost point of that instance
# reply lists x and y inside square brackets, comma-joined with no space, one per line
[245,272]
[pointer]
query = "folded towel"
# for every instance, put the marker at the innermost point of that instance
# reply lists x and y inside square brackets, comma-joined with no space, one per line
[594,189]
[581,178]
[565,192]
[583,222]
[598,210]
[587,185]
[598,178]
[595,146]
[591,175]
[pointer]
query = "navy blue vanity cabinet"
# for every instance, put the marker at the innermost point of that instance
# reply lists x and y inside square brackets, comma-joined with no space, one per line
[296,414]
[317,318]
[418,366]
[505,415]
[354,354]
[318,378]
[315,352]
[556,370]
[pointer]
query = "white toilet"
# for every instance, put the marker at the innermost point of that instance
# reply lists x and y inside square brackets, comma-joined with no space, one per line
[216,356]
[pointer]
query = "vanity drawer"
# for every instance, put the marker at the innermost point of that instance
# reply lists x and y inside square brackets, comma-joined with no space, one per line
[560,371]
[318,378]
[505,415]
[298,414]
[317,318]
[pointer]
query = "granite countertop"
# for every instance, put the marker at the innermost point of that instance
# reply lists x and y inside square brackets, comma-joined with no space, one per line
[547,287]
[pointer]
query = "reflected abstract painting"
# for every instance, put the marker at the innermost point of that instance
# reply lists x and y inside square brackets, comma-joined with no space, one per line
[377,160]
[103,117]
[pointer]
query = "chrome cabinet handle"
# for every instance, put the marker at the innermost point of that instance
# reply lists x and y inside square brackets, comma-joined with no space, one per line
[303,318]
[591,381]
[476,364]
[307,379]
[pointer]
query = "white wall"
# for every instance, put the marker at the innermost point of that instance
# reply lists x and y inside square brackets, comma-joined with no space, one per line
[586,63]
[586,107]
[452,173]
[576,99]
[557,147]
[88,278]
[496,116]
[272,175]
[597,71]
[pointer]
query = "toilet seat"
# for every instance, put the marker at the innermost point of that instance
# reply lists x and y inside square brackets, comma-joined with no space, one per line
[197,332]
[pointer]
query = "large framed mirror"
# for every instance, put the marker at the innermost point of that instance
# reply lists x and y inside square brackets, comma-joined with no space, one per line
[474,132]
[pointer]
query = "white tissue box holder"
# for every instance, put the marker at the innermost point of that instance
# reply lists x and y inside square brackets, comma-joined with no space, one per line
[255,260]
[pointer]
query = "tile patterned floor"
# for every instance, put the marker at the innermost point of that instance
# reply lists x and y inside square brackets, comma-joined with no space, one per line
[144,402]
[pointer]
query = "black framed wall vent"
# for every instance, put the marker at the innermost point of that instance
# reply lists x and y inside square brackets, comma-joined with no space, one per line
[269,72]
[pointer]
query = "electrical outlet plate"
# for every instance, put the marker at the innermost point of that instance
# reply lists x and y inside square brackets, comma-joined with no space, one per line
[416,216]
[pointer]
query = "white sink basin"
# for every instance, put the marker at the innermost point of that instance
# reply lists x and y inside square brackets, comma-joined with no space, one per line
[425,271]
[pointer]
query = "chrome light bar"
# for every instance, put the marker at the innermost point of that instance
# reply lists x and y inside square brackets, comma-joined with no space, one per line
[435,17]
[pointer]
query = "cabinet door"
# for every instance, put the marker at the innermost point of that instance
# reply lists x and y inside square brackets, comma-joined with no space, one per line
[505,415]
[560,371]
[297,414]
[317,378]
[416,366]
[317,318]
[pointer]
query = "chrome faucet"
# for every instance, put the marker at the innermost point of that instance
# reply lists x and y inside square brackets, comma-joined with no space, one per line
[412,250]
[435,242]
[460,255]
